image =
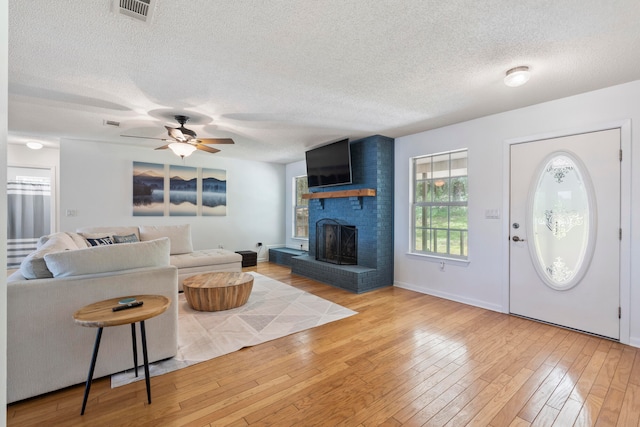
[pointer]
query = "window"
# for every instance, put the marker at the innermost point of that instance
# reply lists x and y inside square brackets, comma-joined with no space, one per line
[440,205]
[301,209]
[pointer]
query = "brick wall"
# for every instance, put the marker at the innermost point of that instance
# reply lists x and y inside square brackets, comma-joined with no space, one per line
[372,167]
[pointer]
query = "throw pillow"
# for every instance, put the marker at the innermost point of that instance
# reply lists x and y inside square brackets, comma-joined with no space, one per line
[130,238]
[78,239]
[34,266]
[99,241]
[93,232]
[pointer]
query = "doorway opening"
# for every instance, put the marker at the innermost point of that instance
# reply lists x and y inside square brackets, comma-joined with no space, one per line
[30,212]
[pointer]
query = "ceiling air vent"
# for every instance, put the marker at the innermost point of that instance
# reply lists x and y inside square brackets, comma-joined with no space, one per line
[111,123]
[142,10]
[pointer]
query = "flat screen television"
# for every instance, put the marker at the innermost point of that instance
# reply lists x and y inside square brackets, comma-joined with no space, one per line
[329,164]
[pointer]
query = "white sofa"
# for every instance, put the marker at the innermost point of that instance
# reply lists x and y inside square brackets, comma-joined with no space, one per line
[46,350]
[187,260]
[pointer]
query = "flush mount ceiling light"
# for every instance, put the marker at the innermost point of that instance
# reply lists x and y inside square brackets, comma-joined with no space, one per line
[34,145]
[517,76]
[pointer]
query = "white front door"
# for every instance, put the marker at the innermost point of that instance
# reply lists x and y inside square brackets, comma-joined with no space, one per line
[565,231]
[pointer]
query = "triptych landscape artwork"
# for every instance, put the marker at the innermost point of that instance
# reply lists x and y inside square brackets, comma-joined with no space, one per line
[160,190]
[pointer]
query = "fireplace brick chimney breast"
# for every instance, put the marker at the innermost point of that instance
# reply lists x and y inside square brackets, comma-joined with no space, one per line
[372,161]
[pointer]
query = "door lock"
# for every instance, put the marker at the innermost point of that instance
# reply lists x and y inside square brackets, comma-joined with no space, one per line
[517,239]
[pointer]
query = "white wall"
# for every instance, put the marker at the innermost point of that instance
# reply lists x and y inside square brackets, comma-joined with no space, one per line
[96,182]
[483,281]
[21,155]
[293,170]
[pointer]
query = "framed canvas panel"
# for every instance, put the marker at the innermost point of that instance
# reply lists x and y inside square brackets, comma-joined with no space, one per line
[214,192]
[148,189]
[183,191]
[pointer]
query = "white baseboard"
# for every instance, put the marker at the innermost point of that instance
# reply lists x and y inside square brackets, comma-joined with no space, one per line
[451,297]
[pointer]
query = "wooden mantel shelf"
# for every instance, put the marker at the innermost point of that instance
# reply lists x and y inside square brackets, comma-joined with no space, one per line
[363,192]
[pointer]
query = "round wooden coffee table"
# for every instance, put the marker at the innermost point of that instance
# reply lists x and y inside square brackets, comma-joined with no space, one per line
[217,291]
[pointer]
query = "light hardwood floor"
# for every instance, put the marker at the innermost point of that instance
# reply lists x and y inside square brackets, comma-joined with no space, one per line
[406,359]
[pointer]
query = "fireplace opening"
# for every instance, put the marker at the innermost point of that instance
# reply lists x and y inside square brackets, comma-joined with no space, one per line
[336,242]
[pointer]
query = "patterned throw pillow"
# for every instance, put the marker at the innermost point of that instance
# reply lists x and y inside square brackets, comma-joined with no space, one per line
[129,238]
[100,241]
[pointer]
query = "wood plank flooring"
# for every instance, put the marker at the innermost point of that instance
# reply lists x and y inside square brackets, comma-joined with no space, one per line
[406,359]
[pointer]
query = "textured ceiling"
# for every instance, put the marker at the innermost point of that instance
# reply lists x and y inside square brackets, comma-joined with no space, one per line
[280,77]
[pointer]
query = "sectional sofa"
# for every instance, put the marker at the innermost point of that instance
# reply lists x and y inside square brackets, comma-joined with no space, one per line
[46,350]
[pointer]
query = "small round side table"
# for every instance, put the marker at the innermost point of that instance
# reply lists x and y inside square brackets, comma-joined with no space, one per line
[101,315]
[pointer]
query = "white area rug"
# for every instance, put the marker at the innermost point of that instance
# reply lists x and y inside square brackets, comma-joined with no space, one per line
[274,310]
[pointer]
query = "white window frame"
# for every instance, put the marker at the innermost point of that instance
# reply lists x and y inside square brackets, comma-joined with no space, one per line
[414,204]
[294,231]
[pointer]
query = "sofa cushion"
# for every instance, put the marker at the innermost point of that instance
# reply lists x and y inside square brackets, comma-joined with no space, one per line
[34,265]
[179,235]
[79,240]
[130,238]
[103,259]
[205,257]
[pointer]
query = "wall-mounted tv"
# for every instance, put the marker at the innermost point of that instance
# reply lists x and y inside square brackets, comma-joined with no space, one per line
[329,164]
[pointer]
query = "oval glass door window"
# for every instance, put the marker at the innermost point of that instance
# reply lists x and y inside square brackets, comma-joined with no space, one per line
[561,220]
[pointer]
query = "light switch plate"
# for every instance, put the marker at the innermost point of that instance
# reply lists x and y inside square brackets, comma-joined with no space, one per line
[492,213]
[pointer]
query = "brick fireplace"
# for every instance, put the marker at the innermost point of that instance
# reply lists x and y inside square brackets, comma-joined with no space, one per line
[366,205]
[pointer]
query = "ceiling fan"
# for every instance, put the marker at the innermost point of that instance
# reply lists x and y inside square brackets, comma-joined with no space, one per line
[183,142]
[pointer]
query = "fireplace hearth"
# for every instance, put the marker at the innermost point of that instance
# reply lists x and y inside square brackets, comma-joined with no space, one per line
[336,242]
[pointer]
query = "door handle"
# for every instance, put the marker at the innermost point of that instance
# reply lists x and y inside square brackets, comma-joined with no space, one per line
[517,239]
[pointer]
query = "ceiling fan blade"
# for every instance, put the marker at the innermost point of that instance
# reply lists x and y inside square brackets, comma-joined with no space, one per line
[164,147]
[207,149]
[143,137]
[176,134]
[215,141]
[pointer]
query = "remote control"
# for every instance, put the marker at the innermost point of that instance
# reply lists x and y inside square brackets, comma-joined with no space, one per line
[126,306]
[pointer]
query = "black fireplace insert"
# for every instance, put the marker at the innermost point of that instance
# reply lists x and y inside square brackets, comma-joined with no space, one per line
[336,242]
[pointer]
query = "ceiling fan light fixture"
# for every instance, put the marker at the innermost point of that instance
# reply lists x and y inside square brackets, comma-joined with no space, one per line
[517,76]
[182,149]
[183,142]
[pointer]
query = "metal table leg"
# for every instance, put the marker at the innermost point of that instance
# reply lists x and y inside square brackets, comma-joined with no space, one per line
[87,387]
[146,359]
[135,348]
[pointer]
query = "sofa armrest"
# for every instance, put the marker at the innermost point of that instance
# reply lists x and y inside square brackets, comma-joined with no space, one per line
[47,351]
